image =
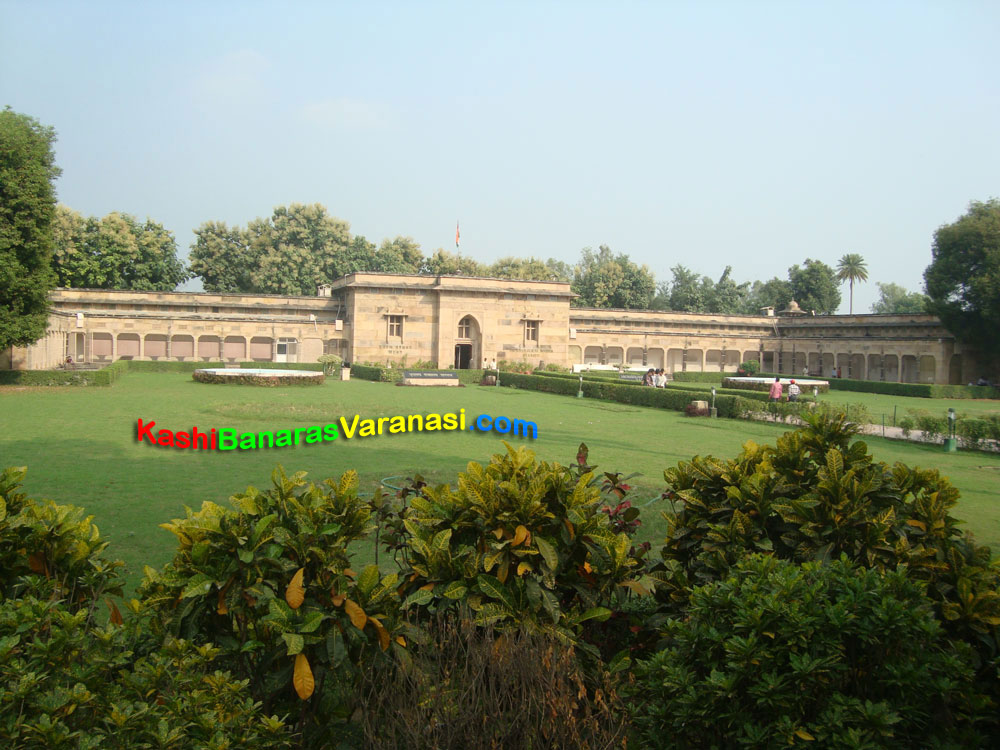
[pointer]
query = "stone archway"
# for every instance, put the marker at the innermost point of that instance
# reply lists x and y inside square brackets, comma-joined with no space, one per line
[694,360]
[154,346]
[675,360]
[468,344]
[955,370]
[634,356]
[181,346]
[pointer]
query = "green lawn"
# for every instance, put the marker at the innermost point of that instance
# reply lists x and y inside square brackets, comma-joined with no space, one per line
[80,447]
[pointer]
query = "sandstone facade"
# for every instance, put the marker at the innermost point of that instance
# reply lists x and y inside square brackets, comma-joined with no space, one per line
[455,321]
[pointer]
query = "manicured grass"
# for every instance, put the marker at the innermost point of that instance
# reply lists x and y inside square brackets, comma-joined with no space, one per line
[80,447]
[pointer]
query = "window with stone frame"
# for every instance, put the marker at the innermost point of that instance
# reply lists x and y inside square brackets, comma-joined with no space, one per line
[531,331]
[395,326]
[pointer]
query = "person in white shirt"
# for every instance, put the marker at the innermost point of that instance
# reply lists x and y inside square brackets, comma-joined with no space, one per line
[793,391]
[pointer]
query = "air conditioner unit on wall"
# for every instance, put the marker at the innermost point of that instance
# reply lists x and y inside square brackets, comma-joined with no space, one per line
[338,325]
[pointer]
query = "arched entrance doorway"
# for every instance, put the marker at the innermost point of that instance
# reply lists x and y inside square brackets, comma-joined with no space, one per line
[468,350]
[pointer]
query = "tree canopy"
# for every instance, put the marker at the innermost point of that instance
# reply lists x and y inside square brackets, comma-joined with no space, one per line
[291,252]
[895,299]
[814,287]
[963,279]
[445,263]
[116,252]
[27,207]
[603,279]
[774,292]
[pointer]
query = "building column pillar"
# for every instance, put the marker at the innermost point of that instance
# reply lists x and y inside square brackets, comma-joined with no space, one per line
[942,370]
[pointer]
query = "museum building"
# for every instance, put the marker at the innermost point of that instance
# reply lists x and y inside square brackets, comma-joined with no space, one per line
[462,322]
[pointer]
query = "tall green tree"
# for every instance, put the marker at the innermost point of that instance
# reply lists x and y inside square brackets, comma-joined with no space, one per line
[223,257]
[559,270]
[399,255]
[603,279]
[852,268]
[531,269]
[71,260]
[445,263]
[357,257]
[27,207]
[963,279]
[116,252]
[687,290]
[814,286]
[299,246]
[597,278]
[895,299]
[725,296]
[661,299]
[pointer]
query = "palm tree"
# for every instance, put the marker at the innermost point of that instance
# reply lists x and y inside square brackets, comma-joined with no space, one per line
[852,268]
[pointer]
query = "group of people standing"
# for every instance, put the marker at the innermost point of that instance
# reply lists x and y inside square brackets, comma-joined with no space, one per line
[655,378]
[777,389]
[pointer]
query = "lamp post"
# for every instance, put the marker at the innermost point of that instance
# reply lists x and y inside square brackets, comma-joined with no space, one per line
[713,412]
[950,443]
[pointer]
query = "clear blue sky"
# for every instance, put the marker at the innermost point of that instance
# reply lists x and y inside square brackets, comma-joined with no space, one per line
[751,134]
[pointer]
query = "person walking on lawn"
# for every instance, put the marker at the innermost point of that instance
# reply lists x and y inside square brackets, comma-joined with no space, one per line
[776,390]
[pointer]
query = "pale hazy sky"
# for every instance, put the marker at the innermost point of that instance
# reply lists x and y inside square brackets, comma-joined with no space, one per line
[751,134]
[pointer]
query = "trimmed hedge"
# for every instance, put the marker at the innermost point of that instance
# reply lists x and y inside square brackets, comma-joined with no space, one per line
[688,387]
[916,390]
[142,365]
[311,366]
[56,377]
[252,378]
[395,374]
[661,398]
[702,377]
[109,374]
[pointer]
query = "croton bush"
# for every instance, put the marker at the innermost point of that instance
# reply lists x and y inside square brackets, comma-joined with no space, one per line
[519,541]
[269,581]
[827,655]
[805,594]
[819,495]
